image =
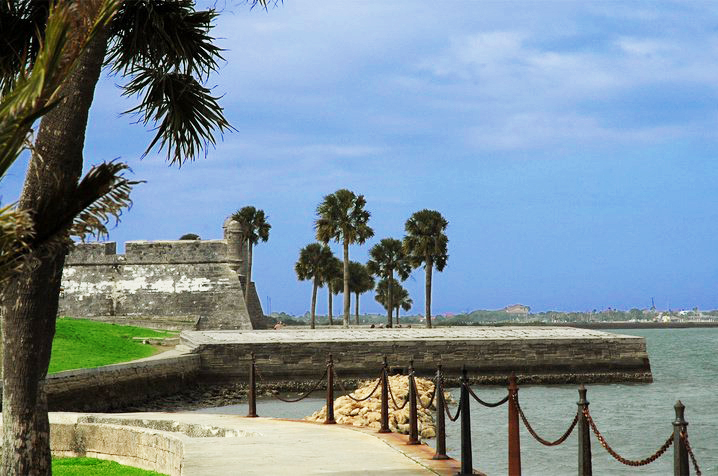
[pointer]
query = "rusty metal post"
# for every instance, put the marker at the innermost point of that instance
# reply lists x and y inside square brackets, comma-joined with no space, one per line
[440,417]
[384,399]
[329,420]
[514,440]
[252,393]
[467,466]
[585,467]
[680,451]
[413,412]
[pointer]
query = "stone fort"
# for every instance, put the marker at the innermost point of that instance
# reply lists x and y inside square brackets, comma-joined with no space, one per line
[183,284]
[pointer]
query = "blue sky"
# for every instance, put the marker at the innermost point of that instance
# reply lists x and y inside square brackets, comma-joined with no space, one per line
[570,145]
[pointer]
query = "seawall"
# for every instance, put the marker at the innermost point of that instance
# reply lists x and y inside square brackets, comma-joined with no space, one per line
[536,355]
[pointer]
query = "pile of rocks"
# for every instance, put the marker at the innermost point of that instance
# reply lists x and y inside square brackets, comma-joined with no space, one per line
[367,413]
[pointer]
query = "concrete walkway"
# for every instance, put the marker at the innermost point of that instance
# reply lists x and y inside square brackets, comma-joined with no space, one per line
[273,446]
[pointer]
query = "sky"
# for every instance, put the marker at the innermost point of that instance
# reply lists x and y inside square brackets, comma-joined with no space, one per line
[570,145]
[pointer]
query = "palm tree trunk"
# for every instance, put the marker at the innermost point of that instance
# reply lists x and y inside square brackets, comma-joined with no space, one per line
[346,283]
[427,290]
[30,303]
[356,308]
[315,285]
[329,307]
[389,302]
[397,315]
[249,270]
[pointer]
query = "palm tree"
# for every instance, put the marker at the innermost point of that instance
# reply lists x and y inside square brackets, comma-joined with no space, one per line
[314,259]
[399,296]
[255,227]
[341,217]
[426,243]
[403,301]
[165,50]
[333,279]
[360,282]
[387,256]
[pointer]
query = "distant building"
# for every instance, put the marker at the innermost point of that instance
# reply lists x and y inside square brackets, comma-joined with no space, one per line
[517,309]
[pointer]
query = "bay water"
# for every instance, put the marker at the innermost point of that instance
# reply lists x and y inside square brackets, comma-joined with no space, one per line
[635,419]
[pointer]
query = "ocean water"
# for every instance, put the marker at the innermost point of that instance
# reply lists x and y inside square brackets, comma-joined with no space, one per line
[635,419]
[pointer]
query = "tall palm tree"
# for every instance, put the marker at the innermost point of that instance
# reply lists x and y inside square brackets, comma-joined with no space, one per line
[341,217]
[426,243]
[333,279]
[165,51]
[314,260]
[255,227]
[399,296]
[360,282]
[386,257]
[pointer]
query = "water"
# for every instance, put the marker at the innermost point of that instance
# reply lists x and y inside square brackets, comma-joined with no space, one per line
[634,418]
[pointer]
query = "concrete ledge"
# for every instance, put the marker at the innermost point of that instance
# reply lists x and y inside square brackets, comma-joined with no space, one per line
[144,448]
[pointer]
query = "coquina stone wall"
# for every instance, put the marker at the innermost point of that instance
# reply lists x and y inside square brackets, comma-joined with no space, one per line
[175,284]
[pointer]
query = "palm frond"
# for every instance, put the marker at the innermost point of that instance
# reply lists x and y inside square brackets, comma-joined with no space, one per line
[16,233]
[163,34]
[187,113]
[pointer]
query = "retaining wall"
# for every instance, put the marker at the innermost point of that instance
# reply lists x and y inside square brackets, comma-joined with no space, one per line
[115,386]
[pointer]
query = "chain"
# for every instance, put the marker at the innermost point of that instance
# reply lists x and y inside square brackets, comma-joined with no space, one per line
[448,413]
[684,435]
[619,458]
[348,393]
[557,442]
[391,394]
[431,400]
[490,405]
[295,400]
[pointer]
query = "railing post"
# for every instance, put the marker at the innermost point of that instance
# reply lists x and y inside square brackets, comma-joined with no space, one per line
[514,440]
[440,417]
[585,467]
[252,394]
[413,416]
[384,399]
[329,420]
[680,451]
[467,466]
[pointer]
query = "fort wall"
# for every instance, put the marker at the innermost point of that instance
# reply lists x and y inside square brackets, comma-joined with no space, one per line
[177,284]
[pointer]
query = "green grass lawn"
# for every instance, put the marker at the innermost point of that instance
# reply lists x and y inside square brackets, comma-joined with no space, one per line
[92,467]
[82,343]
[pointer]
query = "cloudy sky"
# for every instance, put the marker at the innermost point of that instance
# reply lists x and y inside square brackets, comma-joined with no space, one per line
[570,145]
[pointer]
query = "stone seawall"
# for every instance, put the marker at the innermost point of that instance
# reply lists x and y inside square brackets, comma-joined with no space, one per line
[536,355]
[116,386]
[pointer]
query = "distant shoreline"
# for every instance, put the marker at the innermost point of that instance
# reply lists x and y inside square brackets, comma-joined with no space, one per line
[635,325]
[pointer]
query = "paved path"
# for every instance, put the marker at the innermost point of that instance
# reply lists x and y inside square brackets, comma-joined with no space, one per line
[278,447]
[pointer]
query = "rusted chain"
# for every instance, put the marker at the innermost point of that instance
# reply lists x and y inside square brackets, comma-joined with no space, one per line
[490,405]
[295,400]
[391,394]
[684,435]
[619,458]
[431,399]
[448,413]
[533,433]
[348,393]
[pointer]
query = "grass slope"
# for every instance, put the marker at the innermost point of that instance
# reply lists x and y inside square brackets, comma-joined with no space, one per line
[81,343]
[92,467]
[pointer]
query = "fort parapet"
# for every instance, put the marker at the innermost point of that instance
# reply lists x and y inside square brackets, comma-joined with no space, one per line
[171,284]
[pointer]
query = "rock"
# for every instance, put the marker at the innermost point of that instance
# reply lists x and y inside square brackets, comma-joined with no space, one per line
[367,413]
